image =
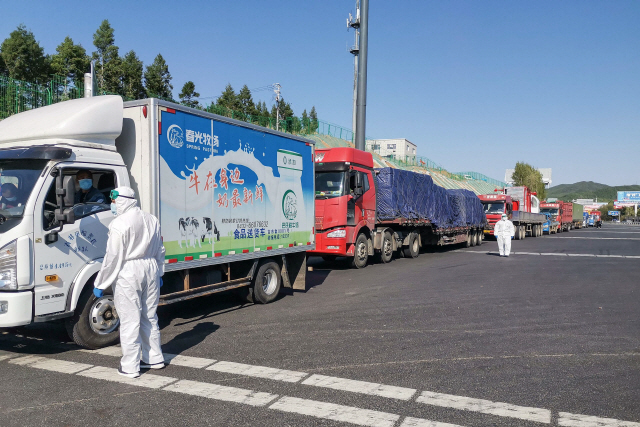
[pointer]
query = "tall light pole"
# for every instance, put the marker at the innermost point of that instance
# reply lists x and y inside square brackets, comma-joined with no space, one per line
[355,24]
[361,113]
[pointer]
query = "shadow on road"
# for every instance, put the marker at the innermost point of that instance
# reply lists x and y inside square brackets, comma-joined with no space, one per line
[187,339]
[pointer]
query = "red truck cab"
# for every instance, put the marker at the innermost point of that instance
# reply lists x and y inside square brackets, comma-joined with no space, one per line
[494,206]
[345,200]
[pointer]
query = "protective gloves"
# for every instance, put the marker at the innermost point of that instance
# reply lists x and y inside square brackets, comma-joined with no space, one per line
[98,292]
[161,283]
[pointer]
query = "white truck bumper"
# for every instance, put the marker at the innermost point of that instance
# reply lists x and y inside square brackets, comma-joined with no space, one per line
[15,308]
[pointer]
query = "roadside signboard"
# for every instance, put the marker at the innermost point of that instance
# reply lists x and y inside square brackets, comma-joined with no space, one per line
[613,213]
[629,196]
[624,204]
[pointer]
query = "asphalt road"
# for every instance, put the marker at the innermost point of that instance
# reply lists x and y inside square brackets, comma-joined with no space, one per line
[456,337]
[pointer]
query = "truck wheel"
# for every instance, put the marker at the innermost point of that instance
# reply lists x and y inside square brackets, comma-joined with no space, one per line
[386,251]
[360,252]
[478,237]
[468,243]
[266,283]
[517,233]
[413,249]
[95,322]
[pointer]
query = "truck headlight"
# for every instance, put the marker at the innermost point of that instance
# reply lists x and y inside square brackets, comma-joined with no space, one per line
[337,233]
[8,267]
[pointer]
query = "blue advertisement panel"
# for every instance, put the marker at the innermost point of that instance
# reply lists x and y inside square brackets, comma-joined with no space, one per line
[226,189]
[613,213]
[629,196]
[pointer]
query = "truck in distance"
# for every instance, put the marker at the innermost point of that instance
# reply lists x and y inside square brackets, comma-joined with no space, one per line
[521,206]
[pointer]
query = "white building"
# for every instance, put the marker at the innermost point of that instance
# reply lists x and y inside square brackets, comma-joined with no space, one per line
[546,176]
[398,148]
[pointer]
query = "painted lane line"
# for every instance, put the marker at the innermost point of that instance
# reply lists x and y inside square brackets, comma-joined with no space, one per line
[600,238]
[419,422]
[187,361]
[588,255]
[107,351]
[4,356]
[609,256]
[485,406]
[220,392]
[576,420]
[258,371]
[47,364]
[632,256]
[331,411]
[552,253]
[361,387]
[110,374]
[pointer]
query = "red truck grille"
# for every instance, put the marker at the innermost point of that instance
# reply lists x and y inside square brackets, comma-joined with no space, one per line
[318,222]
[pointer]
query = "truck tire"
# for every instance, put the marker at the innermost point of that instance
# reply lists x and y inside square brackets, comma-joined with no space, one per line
[95,322]
[386,251]
[413,248]
[468,243]
[267,282]
[517,233]
[360,252]
[478,237]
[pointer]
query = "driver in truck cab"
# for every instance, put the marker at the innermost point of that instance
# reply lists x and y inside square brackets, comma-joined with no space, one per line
[9,197]
[87,193]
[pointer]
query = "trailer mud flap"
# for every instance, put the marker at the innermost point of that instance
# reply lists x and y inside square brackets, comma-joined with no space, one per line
[294,271]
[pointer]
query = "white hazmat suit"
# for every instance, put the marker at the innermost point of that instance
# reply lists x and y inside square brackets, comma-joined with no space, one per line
[134,262]
[504,231]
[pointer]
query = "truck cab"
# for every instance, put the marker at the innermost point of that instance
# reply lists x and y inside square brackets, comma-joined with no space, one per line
[554,210]
[345,201]
[494,206]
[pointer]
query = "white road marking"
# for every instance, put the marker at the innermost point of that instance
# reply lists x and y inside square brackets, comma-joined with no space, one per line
[419,422]
[362,387]
[188,361]
[54,365]
[632,256]
[591,255]
[576,420]
[558,254]
[552,253]
[599,238]
[485,406]
[107,351]
[331,411]
[4,356]
[110,374]
[258,371]
[220,392]
[609,256]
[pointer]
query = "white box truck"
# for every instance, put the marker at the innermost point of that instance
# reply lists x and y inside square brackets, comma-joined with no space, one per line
[235,203]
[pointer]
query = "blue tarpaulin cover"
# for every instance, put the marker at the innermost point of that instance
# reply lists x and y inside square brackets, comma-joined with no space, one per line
[414,196]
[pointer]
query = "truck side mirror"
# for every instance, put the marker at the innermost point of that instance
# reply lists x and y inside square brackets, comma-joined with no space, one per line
[65,216]
[358,191]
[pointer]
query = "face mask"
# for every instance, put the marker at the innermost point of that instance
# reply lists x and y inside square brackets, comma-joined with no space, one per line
[11,199]
[86,184]
[113,209]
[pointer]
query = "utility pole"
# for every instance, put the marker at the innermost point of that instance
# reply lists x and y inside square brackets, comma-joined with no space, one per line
[276,89]
[362,76]
[355,49]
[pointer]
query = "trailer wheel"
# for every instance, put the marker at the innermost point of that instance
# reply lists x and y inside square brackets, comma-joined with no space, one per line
[413,249]
[266,283]
[360,252]
[95,322]
[386,251]
[468,243]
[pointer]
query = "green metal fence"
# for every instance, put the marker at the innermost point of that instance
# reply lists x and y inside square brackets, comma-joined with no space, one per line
[480,177]
[17,96]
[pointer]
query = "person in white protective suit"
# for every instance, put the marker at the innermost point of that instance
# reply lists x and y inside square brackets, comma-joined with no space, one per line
[504,232]
[134,263]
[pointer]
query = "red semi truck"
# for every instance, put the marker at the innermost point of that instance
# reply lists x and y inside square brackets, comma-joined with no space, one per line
[522,207]
[560,211]
[351,220]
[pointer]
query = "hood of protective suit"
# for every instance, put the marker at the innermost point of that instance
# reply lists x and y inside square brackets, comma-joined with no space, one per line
[123,202]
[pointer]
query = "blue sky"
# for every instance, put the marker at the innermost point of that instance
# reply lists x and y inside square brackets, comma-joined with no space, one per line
[477,85]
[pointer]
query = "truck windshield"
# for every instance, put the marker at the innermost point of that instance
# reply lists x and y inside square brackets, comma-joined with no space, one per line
[494,208]
[550,211]
[18,177]
[330,184]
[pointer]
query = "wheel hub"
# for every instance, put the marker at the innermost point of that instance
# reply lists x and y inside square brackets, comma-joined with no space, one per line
[103,315]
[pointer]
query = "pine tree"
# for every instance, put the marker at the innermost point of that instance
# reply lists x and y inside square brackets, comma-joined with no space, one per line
[70,61]
[229,99]
[313,116]
[24,58]
[103,40]
[3,67]
[188,94]
[245,101]
[158,79]
[131,67]
[306,124]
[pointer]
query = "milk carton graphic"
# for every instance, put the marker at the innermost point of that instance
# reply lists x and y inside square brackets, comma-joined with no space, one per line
[290,196]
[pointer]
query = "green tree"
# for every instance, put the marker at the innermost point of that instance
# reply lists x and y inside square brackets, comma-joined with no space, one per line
[70,61]
[229,99]
[24,58]
[527,175]
[3,67]
[306,123]
[313,117]
[108,72]
[188,94]
[245,101]
[158,79]
[131,68]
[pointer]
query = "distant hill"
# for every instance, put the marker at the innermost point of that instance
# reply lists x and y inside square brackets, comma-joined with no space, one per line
[588,190]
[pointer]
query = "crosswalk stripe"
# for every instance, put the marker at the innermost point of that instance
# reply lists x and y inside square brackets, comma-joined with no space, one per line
[106,351]
[110,374]
[419,422]
[258,371]
[187,361]
[332,411]
[485,406]
[220,392]
[362,387]
[54,365]
[567,419]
